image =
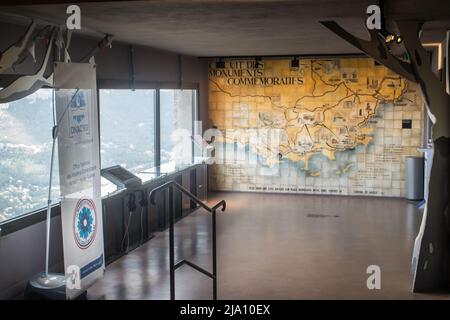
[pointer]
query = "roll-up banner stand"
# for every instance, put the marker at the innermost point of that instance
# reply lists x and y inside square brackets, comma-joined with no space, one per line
[79,174]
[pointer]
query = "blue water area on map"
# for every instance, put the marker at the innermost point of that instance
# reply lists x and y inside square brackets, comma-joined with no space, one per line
[344,162]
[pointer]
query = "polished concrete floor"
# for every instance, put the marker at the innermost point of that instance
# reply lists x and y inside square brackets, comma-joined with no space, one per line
[278,247]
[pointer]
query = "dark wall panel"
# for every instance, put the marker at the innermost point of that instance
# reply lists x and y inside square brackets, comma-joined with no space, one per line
[22,254]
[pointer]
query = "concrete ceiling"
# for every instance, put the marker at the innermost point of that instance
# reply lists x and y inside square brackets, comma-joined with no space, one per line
[236,27]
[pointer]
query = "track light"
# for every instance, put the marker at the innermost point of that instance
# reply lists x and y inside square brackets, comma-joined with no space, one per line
[389,37]
[220,64]
[295,63]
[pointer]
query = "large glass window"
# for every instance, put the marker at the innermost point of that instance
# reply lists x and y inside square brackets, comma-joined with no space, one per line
[177,108]
[25,151]
[127,136]
[127,128]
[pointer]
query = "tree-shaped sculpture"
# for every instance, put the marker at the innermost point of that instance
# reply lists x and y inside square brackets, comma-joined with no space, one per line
[432,261]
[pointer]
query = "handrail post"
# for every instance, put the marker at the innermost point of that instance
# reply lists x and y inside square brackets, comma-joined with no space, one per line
[214,255]
[171,243]
[171,187]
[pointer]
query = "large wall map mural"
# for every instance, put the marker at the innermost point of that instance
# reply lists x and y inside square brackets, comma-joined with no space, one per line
[334,126]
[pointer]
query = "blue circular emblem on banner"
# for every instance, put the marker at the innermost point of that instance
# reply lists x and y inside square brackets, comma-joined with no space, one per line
[84,223]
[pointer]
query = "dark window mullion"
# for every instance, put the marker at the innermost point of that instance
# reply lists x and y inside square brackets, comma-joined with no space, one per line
[98,123]
[194,107]
[157,148]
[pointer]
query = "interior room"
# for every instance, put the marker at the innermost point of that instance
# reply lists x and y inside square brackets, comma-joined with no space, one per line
[224,150]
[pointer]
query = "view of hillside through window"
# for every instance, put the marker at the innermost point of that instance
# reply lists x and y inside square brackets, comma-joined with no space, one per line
[127,128]
[25,151]
[176,125]
[127,138]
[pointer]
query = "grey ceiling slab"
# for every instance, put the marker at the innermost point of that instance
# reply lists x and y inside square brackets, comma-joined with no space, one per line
[231,27]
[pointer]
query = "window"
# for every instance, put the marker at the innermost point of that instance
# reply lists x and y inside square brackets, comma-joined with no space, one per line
[25,151]
[127,128]
[127,137]
[178,111]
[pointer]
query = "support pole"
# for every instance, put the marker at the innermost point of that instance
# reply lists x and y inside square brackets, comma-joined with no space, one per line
[49,208]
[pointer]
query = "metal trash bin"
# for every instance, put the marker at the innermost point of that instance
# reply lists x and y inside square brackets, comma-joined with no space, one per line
[414,172]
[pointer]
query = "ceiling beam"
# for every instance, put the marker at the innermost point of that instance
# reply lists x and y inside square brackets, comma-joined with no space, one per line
[43,2]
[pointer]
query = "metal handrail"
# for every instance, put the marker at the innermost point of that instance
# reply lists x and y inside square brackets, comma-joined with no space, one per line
[173,266]
[166,185]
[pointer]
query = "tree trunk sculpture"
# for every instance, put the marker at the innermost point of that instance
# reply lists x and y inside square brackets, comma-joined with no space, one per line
[431,259]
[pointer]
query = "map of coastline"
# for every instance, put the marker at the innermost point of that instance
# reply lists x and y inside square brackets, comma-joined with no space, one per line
[340,126]
[324,107]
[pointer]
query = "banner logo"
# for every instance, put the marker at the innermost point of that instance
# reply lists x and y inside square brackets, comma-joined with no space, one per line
[79,116]
[84,223]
